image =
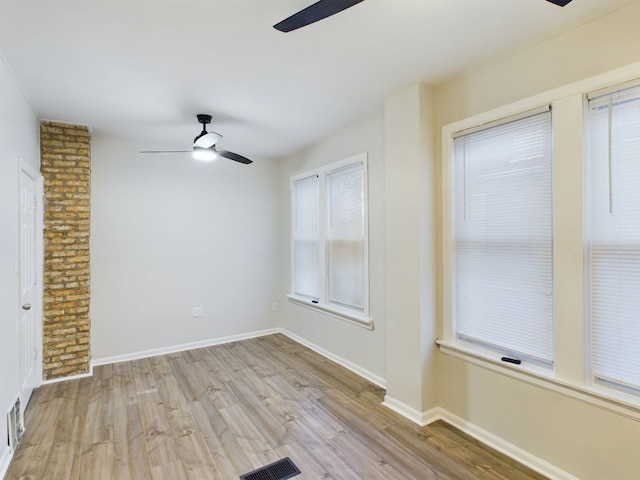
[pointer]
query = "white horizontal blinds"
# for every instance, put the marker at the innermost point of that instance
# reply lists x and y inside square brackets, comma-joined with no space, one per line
[503,237]
[614,122]
[306,237]
[346,237]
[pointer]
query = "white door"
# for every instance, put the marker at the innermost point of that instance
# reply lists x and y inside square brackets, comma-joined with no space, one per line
[29,305]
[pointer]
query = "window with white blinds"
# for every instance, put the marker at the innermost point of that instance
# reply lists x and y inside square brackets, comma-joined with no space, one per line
[329,237]
[345,237]
[306,237]
[614,243]
[503,238]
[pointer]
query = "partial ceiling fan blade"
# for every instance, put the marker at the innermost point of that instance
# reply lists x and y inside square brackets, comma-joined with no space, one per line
[232,156]
[166,151]
[313,13]
[560,3]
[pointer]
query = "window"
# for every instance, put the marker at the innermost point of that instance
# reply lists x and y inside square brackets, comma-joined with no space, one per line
[614,247]
[502,219]
[541,241]
[306,237]
[329,247]
[345,237]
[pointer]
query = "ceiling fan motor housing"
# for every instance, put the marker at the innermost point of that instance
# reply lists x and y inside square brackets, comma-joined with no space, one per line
[204,139]
[204,118]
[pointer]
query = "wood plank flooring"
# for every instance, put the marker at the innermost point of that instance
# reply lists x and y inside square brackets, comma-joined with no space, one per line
[219,412]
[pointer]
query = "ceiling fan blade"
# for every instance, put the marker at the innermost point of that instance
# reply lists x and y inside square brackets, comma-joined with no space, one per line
[232,156]
[313,13]
[560,3]
[166,151]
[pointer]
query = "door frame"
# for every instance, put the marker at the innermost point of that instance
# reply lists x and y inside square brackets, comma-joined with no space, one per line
[26,168]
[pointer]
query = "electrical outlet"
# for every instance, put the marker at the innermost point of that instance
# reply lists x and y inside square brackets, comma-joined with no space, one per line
[274,307]
[198,312]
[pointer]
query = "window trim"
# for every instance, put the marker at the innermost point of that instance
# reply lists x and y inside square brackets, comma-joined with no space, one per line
[359,318]
[622,404]
[339,313]
[570,375]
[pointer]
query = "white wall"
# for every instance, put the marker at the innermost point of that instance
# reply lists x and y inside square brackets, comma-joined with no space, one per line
[582,439]
[19,138]
[168,234]
[355,344]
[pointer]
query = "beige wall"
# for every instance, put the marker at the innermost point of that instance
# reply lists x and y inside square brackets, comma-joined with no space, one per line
[577,437]
[410,250]
[583,440]
[569,434]
[355,344]
[604,44]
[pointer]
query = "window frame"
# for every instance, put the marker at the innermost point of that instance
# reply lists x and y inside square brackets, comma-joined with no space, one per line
[571,374]
[354,316]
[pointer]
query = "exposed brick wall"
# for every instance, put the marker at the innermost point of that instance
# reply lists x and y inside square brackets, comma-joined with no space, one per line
[66,168]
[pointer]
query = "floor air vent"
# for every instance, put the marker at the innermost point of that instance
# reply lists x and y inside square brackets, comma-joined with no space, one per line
[15,425]
[280,470]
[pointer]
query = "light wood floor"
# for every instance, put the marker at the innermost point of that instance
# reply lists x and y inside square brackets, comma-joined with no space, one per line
[218,412]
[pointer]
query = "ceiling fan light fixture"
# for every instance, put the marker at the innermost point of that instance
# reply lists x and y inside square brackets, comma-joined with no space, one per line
[206,139]
[204,145]
[204,154]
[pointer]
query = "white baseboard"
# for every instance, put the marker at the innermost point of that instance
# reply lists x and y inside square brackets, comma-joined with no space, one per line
[71,377]
[5,461]
[510,450]
[421,418]
[487,438]
[375,379]
[181,347]
[357,369]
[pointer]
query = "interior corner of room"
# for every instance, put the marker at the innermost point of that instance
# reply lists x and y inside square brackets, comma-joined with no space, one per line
[144,256]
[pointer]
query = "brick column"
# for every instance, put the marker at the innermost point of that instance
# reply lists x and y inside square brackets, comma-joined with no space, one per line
[66,168]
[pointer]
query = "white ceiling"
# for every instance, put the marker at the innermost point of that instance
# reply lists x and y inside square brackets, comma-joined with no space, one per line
[142,69]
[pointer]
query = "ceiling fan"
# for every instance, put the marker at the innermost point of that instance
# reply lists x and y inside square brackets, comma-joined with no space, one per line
[204,145]
[326,8]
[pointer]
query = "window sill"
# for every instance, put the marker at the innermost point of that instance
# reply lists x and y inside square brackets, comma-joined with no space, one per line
[619,403]
[342,314]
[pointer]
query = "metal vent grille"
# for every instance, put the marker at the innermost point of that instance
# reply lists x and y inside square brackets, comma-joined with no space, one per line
[280,470]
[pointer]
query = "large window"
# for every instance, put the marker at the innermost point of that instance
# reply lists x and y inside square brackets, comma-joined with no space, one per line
[329,248]
[614,227]
[541,241]
[503,238]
